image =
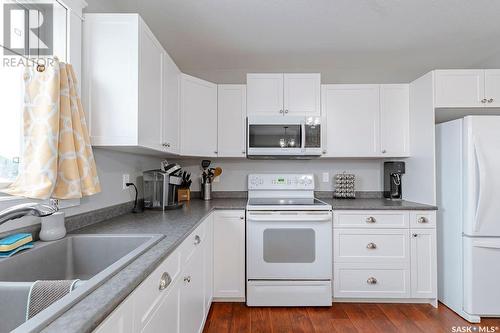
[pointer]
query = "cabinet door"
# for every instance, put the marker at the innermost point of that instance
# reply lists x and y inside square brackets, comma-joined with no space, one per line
[459,88]
[265,94]
[171,83]
[423,263]
[121,320]
[352,115]
[166,317]
[229,254]
[302,94]
[394,120]
[208,262]
[492,87]
[198,117]
[232,120]
[151,56]
[192,307]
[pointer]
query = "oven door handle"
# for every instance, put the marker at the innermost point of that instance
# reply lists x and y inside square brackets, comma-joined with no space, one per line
[290,218]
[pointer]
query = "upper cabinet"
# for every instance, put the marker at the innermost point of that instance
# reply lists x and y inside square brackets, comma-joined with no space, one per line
[283,94]
[198,117]
[395,120]
[366,120]
[124,83]
[171,119]
[467,88]
[231,120]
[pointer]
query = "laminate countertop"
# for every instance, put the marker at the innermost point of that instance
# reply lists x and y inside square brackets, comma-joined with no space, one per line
[175,225]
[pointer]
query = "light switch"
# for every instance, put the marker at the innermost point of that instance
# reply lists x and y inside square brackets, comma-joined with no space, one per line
[326,177]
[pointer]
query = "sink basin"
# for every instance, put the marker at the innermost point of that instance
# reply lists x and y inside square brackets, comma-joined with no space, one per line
[90,258]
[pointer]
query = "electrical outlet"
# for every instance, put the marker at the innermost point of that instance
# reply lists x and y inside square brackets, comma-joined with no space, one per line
[326,177]
[125,179]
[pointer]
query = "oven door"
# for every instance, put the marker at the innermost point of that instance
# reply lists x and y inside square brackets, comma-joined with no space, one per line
[289,245]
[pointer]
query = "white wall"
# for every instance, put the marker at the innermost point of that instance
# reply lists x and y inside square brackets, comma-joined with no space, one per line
[369,173]
[111,166]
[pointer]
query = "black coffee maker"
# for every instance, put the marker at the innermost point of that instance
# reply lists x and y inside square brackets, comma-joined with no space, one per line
[393,172]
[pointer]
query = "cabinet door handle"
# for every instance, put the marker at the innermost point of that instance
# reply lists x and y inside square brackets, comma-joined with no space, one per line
[414,235]
[370,219]
[384,151]
[371,246]
[187,279]
[286,111]
[490,100]
[371,280]
[165,281]
[242,217]
[281,111]
[422,220]
[197,240]
[484,100]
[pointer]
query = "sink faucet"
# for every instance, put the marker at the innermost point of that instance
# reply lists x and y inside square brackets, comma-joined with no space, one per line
[32,208]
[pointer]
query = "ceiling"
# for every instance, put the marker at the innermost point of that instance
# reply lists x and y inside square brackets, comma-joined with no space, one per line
[347,41]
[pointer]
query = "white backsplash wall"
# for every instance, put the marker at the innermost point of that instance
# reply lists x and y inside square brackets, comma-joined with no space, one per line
[369,173]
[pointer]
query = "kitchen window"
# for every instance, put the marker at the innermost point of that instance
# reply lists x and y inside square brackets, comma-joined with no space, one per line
[30,24]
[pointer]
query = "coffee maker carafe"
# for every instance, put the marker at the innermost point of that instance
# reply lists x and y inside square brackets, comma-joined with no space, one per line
[393,172]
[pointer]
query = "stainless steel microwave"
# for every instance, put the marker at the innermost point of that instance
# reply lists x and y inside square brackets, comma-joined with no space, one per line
[283,137]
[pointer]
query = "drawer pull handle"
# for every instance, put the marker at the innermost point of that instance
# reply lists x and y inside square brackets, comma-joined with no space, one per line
[370,219]
[187,279]
[422,220]
[371,280]
[165,281]
[197,240]
[371,246]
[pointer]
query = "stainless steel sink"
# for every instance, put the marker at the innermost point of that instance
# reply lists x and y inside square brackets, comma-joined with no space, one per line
[90,258]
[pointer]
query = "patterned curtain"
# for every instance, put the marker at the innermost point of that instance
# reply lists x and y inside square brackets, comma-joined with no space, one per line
[57,159]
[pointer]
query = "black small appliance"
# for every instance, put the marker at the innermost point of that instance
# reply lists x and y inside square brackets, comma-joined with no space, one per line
[393,172]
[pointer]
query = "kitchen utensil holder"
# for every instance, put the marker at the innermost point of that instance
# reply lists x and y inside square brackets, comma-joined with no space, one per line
[206,191]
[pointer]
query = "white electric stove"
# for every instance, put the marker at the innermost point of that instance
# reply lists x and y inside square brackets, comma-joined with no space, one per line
[289,242]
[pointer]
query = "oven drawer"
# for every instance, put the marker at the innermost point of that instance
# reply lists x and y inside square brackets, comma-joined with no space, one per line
[371,281]
[371,219]
[371,245]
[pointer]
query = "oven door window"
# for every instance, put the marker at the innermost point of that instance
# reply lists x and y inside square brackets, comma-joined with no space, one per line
[289,245]
[274,136]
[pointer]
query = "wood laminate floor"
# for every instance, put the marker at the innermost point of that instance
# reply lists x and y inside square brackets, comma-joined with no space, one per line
[341,317]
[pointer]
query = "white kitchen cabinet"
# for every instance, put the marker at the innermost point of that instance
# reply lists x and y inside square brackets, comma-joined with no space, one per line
[229,255]
[121,320]
[395,120]
[122,82]
[385,254]
[198,117]
[171,111]
[352,114]
[492,87]
[167,315]
[192,301]
[283,94]
[265,94]
[466,88]
[302,94]
[231,109]
[423,263]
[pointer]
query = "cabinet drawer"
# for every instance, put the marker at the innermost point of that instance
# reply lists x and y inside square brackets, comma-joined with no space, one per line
[371,245]
[151,291]
[371,281]
[371,219]
[422,219]
[193,242]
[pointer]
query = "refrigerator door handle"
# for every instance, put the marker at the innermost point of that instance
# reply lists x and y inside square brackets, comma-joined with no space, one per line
[487,245]
[480,172]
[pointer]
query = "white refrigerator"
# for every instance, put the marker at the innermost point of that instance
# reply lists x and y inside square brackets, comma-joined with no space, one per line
[468,188]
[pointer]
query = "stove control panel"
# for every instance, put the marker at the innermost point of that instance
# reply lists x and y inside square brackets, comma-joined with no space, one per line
[281,182]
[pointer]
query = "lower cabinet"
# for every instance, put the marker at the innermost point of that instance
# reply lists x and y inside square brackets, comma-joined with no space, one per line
[176,297]
[229,255]
[387,255]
